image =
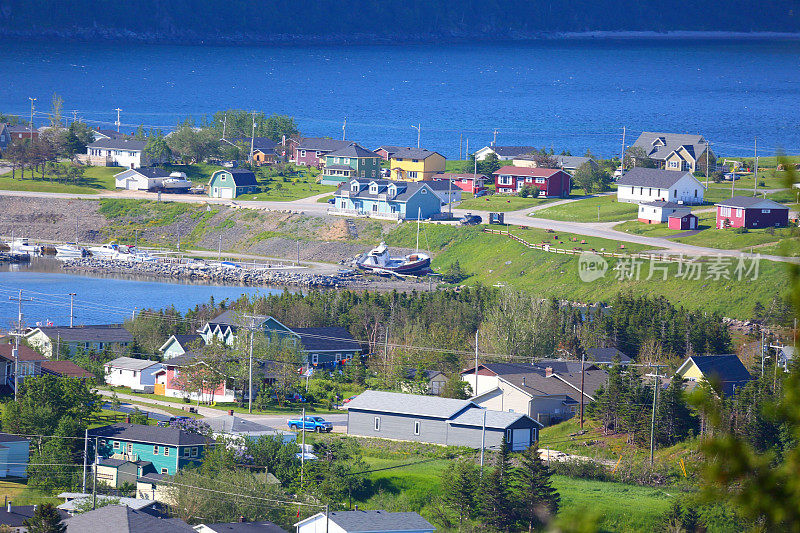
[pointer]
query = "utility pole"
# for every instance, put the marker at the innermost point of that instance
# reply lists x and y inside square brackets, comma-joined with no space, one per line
[94,475]
[460,146]
[733,179]
[85,457]
[483,437]
[583,360]
[622,154]
[252,328]
[494,139]
[19,333]
[224,124]
[74,116]
[253,137]
[344,129]
[708,149]
[118,123]
[755,170]
[450,195]
[30,126]
[475,392]
[71,307]
[653,419]
[303,450]
[418,127]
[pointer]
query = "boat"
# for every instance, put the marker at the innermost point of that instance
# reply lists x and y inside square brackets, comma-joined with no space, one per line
[70,251]
[117,252]
[379,261]
[105,251]
[22,246]
[177,181]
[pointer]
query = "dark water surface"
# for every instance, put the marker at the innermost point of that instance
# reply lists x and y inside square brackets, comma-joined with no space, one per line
[565,94]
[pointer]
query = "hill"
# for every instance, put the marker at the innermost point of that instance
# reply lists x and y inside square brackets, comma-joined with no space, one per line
[250,21]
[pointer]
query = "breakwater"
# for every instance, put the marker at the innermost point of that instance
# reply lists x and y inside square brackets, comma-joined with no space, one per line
[208,272]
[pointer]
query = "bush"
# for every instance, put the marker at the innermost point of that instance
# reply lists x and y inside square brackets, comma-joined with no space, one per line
[741,230]
[581,469]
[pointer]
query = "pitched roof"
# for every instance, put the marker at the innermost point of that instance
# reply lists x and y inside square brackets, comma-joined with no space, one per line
[125,520]
[185,359]
[25,353]
[97,333]
[151,172]
[606,355]
[751,202]
[111,134]
[259,143]
[511,170]
[511,151]
[534,381]
[665,204]
[327,338]
[660,145]
[727,369]
[413,153]
[149,434]
[74,499]
[130,363]
[410,404]
[65,369]
[377,521]
[651,177]
[118,144]
[352,150]
[245,527]
[322,144]
[5,437]
[494,419]
[411,373]
[388,149]
[18,515]
[235,424]
[241,177]
[405,189]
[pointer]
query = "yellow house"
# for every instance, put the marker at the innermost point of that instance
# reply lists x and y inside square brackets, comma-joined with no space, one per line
[723,371]
[415,164]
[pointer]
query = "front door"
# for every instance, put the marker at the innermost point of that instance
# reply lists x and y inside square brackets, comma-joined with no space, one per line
[159,389]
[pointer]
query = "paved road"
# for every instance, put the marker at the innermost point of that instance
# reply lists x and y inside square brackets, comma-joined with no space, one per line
[518,218]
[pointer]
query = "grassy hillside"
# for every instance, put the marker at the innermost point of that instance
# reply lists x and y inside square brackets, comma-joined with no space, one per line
[494,259]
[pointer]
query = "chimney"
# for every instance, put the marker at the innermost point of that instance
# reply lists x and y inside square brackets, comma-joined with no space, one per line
[230,412]
[523,381]
[242,519]
[548,371]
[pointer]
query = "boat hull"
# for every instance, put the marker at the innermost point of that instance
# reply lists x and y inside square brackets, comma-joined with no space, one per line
[419,267]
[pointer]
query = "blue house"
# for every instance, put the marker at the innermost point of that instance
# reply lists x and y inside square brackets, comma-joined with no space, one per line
[379,198]
[180,344]
[168,449]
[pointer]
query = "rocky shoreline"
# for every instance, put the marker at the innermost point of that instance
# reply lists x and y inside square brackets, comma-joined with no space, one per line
[204,272]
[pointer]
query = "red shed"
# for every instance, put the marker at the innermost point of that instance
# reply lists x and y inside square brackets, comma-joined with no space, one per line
[551,182]
[750,212]
[687,221]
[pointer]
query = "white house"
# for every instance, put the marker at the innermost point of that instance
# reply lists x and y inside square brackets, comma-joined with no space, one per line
[13,456]
[52,339]
[116,153]
[363,521]
[141,179]
[650,184]
[136,374]
[659,211]
[504,153]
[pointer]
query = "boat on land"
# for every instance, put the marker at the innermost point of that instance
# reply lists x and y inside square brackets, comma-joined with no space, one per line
[177,182]
[70,251]
[379,261]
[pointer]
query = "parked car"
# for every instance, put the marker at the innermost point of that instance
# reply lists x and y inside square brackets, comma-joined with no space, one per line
[310,423]
[470,220]
[350,399]
[482,192]
[331,201]
[172,419]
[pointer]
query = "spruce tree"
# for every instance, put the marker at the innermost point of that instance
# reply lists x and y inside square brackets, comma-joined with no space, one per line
[496,504]
[537,501]
[459,486]
[45,519]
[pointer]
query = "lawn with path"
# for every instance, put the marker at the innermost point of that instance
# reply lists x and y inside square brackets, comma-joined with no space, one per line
[597,209]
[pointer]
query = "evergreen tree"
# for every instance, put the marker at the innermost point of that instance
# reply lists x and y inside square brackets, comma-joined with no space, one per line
[537,501]
[674,420]
[496,504]
[45,519]
[459,485]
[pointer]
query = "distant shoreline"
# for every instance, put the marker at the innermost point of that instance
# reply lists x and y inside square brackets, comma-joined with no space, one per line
[107,36]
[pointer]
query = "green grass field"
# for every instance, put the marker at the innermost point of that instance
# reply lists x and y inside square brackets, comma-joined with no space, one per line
[496,259]
[285,192]
[587,210]
[634,227]
[18,492]
[95,180]
[502,202]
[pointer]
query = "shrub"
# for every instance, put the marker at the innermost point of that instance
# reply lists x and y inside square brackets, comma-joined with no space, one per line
[741,230]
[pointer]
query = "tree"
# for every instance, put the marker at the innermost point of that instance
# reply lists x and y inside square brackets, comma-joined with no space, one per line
[591,178]
[454,273]
[544,159]
[537,500]
[45,519]
[276,126]
[497,506]
[490,164]
[635,156]
[56,109]
[455,387]
[157,148]
[193,144]
[459,488]
[52,468]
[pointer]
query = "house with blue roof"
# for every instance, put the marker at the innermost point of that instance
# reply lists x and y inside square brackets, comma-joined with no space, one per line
[380,198]
[726,373]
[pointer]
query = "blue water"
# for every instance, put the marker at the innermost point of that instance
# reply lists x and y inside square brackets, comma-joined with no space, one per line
[99,300]
[562,94]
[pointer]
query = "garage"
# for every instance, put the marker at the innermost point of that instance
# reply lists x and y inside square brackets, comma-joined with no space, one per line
[520,439]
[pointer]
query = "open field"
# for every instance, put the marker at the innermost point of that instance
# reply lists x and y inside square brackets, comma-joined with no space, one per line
[634,227]
[503,202]
[95,180]
[17,491]
[498,260]
[600,209]
[278,191]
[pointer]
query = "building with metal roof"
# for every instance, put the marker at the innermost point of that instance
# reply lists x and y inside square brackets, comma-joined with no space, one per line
[365,522]
[640,184]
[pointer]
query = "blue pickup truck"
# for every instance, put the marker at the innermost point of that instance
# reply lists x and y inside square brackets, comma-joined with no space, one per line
[310,423]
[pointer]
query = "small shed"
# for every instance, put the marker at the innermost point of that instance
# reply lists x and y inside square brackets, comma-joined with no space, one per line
[686,221]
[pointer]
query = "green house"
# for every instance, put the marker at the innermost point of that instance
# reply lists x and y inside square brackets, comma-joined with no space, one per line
[353,161]
[231,183]
[168,449]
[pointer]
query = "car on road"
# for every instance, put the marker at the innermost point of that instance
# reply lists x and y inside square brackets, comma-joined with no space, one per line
[482,192]
[350,399]
[310,423]
[173,419]
[470,220]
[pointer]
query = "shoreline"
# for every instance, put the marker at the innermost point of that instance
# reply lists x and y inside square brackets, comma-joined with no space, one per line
[108,36]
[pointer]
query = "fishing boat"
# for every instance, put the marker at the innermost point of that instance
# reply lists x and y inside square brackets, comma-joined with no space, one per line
[70,251]
[22,246]
[378,260]
[105,251]
[176,182]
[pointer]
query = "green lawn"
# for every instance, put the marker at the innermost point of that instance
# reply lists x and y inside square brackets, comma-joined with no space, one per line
[729,239]
[324,199]
[278,191]
[95,180]
[502,202]
[19,493]
[496,259]
[587,210]
[634,227]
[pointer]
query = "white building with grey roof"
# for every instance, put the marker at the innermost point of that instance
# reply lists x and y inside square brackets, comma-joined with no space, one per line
[365,522]
[641,184]
[128,153]
[50,339]
[136,374]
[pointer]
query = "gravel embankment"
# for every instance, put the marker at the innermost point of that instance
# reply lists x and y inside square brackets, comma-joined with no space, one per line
[52,219]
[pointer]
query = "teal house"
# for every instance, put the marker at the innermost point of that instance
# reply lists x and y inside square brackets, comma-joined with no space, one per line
[231,183]
[394,200]
[178,345]
[353,161]
[168,449]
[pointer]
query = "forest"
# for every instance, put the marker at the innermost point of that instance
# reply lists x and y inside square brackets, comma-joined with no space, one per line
[390,21]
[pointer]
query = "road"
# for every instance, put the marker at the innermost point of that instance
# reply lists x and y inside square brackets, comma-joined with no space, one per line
[310,206]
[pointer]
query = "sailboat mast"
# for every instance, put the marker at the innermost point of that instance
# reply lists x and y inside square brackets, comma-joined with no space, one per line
[419,214]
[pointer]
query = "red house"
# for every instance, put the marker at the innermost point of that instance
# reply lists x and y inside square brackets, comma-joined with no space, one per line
[471,183]
[687,221]
[550,182]
[169,381]
[748,212]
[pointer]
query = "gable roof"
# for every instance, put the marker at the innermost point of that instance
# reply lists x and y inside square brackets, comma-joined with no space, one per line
[322,144]
[388,149]
[97,333]
[405,189]
[149,434]
[749,202]
[184,340]
[659,145]
[511,151]
[352,150]
[235,424]
[65,369]
[130,363]
[327,338]
[125,520]
[25,353]
[5,437]
[264,144]
[411,373]
[413,153]
[409,404]
[534,381]
[606,355]
[244,527]
[118,144]
[241,177]
[511,170]
[652,177]
[494,419]
[727,369]
[20,513]
[375,521]
[151,172]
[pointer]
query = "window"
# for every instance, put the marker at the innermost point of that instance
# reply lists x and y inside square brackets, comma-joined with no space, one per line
[415,160]
[314,358]
[539,180]
[187,451]
[423,191]
[166,451]
[129,448]
[194,451]
[116,445]
[155,450]
[302,153]
[317,153]
[346,160]
[412,174]
[724,211]
[508,437]
[373,189]
[338,357]
[164,471]
[377,423]
[416,427]
[765,211]
[695,193]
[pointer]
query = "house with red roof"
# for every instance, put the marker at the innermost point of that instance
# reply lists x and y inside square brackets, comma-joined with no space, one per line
[550,182]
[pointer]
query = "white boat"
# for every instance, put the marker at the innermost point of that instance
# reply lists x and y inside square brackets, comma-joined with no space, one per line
[69,251]
[177,181]
[21,246]
[104,251]
[379,260]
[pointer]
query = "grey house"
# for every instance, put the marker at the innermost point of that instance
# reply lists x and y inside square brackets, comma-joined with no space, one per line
[435,420]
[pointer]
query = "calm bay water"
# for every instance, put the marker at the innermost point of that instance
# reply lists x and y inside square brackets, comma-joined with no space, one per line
[98,300]
[565,94]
